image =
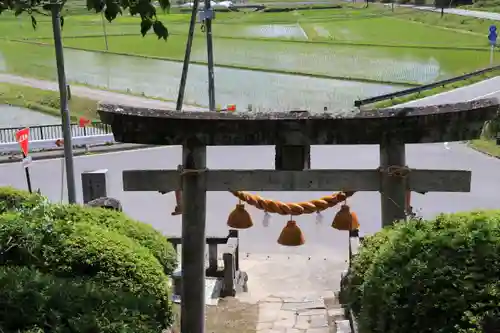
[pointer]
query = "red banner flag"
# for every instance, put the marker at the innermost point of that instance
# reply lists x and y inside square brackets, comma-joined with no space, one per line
[82,122]
[22,137]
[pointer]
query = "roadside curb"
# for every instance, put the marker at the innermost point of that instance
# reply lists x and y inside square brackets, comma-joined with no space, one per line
[481,151]
[59,153]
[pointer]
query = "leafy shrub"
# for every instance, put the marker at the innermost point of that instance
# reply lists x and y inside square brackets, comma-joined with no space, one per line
[491,128]
[145,234]
[79,249]
[33,302]
[12,198]
[435,276]
[361,264]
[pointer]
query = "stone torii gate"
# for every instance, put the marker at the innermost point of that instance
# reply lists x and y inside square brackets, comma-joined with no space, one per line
[292,133]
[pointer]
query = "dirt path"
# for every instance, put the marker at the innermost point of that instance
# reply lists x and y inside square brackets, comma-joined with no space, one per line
[96,94]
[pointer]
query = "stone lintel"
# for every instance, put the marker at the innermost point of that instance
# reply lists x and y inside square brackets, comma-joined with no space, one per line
[308,180]
[438,123]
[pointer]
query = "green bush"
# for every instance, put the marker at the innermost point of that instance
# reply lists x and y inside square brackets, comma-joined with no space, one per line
[145,234]
[78,249]
[33,302]
[356,276]
[435,276]
[12,198]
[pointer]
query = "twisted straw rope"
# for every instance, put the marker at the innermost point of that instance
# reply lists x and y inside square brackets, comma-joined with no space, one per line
[306,207]
[297,208]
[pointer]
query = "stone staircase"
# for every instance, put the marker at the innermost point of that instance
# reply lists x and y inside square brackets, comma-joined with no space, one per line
[295,294]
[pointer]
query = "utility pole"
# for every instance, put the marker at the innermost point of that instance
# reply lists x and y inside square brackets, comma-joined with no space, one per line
[187,56]
[104,31]
[208,17]
[63,96]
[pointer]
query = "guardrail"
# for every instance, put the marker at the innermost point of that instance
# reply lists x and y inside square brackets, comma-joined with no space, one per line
[50,144]
[54,132]
[409,91]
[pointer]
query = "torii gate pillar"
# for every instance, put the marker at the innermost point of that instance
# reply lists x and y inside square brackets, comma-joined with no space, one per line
[194,195]
[393,187]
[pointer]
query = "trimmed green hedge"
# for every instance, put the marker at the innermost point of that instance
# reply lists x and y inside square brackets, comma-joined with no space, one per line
[12,198]
[145,234]
[430,276]
[69,249]
[360,266]
[82,247]
[33,302]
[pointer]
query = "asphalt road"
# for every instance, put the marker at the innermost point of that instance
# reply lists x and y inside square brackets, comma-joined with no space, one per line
[461,12]
[96,94]
[322,240]
[485,89]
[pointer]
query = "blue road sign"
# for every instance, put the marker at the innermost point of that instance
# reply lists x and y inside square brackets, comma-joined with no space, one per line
[492,36]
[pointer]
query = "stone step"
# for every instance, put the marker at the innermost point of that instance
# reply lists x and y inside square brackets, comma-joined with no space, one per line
[336,316]
[302,315]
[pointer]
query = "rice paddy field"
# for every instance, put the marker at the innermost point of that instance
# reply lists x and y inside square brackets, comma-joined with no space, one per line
[375,49]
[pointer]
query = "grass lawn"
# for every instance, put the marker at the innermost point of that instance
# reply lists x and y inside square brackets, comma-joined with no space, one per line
[368,24]
[486,146]
[376,25]
[457,22]
[389,30]
[46,101]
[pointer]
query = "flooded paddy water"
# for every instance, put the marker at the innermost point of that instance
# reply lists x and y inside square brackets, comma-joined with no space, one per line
[13,116]
[262,90]
[161,78]
[288,31]
[384,64]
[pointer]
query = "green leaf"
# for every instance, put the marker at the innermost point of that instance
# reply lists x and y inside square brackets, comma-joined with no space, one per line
[10,4]
[90,5]
[112,10]
[144,8]
[160,30]
[165,5]
[124,4]
[97,5]
[3,7]
[18,11]
[33,22]
[146,25]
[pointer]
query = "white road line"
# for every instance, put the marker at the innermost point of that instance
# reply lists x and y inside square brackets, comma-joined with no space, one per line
[483,96]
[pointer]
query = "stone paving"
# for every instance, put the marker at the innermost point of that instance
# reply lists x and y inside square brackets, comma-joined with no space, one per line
[295,294]
[289,315]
